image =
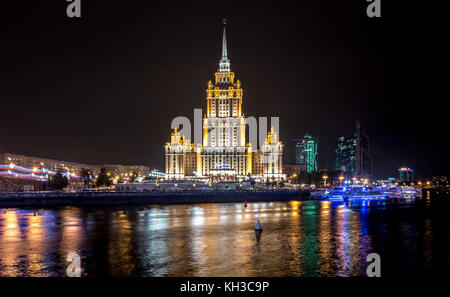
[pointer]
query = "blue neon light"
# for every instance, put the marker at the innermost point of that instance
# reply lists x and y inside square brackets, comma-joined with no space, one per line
[34,173]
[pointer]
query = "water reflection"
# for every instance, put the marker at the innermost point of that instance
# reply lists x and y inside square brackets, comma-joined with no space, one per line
[309,238]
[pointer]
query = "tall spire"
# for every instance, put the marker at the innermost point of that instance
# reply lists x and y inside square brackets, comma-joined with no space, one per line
[224,64]
[224,41]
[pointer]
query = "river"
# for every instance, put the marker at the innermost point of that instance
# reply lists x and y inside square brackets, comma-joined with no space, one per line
[299,238]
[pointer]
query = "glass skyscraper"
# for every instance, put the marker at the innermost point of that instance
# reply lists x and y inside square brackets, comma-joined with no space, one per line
[306,152]
[352,155]
[345,155]
[363,165]
[406,174]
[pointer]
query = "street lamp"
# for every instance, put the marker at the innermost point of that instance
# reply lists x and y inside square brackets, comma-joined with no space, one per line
[341,178]
[325,181]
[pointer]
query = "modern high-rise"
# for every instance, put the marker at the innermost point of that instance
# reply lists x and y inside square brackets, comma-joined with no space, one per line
[306,152]
[363,159]
[352,156]
[345,155]
[406,174]
[224,154]
[299,151]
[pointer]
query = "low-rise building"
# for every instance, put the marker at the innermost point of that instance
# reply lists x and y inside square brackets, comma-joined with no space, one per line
[291,169]
[20,172]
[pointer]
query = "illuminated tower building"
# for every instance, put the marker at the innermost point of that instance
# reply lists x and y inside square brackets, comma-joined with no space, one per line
[363,159]
[306,152]
[272,151]
[352,155]
[345,156]
[224,154]
[299,151]
[179,153]
[224,147]
[406,174]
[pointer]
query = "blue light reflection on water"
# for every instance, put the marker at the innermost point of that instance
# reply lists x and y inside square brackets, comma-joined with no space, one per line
[308,238]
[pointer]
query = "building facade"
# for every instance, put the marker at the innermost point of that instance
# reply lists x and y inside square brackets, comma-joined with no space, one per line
[363,159]
[352,156]
[29,172]
[406,174]
[306,152]
[180,156]
[224,154]
[345,156]
[293,169]
[30,162]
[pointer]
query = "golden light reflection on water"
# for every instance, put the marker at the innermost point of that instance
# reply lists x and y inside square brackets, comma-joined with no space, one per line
[325,261]
[120,246]
[71,232]
[34,240]
[9,237]
[308,238]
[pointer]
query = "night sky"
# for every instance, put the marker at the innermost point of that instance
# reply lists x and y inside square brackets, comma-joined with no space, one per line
[104,88]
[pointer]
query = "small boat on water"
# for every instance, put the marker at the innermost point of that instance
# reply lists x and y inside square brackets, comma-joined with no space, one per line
[402,192]
[363,193]
[411,192]
[337,194]
[392,192]
[316,193]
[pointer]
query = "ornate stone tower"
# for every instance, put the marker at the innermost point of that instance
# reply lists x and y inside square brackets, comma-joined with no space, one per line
[272,151]
[177,155]
[225,151]
[224,154]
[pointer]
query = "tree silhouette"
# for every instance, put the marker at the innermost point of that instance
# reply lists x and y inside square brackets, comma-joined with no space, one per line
[86,175]
[58,181]
[103,179]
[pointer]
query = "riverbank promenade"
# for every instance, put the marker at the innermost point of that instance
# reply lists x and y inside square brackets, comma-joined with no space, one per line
[129,198]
